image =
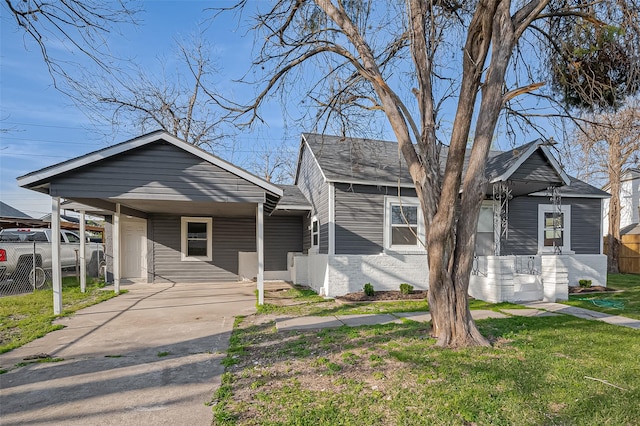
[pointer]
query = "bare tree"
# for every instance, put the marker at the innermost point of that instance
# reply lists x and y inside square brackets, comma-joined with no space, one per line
[605,144]
[181,102]
[405,60]
[80,25]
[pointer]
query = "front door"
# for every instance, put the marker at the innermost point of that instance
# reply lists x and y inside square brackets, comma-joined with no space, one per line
[134,248]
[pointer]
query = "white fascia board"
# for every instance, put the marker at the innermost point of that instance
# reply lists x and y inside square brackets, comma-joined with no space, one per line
[86,159]
[546,194]
[372,183]
[223,164]
[90,158]
[308,148]
[556,165]
[506,175]
[538,144]
[286,207]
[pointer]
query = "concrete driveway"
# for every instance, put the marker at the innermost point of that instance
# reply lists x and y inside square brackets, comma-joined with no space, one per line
[148,357]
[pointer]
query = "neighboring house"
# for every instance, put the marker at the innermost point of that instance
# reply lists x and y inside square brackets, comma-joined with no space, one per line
[175,213]
[629,201]
[11,217]
[359,188]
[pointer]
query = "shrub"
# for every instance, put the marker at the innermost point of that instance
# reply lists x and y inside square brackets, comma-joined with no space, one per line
[368,289]
[406,288]
[585,283]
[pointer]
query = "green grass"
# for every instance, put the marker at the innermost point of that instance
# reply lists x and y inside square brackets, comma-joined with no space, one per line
[625,303]
[27,317]
[539,371]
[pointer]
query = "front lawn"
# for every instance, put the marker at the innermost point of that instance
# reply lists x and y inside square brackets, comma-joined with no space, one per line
[545,370]
[27,317]
[625,302]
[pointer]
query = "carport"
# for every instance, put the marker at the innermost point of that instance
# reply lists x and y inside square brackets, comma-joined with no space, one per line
[174,212]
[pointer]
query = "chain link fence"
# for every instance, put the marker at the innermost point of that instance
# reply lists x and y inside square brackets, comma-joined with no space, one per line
[23,270]
[26,267]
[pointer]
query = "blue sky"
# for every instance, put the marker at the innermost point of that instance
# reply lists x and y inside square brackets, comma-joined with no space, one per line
[46,128]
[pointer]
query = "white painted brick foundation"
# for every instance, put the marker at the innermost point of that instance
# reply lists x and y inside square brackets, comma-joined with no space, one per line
[555,277]
[335,275]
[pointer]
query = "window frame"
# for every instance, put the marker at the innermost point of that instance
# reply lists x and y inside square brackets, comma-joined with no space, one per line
[566,229]
[184,224]
[316,233]
[391,201]
[486,205]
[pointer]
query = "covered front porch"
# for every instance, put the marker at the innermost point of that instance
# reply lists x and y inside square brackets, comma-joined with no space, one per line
[539,230]
[173,212]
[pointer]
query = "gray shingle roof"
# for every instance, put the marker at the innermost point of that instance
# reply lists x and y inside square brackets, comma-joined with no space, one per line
[354,159]
[377,162]
[292,197]
[7,211]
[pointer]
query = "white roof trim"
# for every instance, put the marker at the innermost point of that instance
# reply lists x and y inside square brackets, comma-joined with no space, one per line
[304,141]
[96,156]
[372,183]
[546,194]
[538,144]
[292,207]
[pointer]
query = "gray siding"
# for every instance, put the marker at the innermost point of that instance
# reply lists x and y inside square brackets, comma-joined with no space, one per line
[282,234]
[157,172]
[585,225]
[536,168]
[523,225]
[229,237]
[306,234]
[313,186]
[360,217]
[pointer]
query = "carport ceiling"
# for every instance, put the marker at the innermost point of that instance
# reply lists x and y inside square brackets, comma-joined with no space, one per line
[185,208]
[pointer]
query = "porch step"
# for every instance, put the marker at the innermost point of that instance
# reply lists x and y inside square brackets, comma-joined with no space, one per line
[527,296]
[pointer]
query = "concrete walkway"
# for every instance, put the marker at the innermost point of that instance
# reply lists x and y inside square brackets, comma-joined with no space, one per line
[148,357]
[538,309]
[585,314]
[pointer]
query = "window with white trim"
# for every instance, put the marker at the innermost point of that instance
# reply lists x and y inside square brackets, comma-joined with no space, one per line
[315,232]
[554,229]
[196,238]
[484,232]
[404,226]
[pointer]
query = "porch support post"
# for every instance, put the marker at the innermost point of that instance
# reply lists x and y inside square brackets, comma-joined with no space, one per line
[116,250]
[56,265]
[260,251]
[83,251]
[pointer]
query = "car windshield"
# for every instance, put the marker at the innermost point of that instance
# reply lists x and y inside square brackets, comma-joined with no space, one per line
[16,236]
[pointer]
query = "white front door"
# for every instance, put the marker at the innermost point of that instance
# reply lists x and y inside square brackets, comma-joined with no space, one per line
[134,247]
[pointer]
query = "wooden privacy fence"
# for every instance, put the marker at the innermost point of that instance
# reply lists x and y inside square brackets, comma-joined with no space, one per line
[629,260]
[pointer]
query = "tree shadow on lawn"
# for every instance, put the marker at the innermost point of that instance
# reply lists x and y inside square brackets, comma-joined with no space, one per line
[536,363]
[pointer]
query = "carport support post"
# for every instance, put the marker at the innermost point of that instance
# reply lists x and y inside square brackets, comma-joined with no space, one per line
[56,266]
[260,250]
[116,249]
[83,250]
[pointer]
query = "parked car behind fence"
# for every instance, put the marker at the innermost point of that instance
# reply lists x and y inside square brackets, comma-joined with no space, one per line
[25,258]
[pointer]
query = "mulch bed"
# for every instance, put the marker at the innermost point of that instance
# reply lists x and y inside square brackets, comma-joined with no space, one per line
[592,289]
[383,296]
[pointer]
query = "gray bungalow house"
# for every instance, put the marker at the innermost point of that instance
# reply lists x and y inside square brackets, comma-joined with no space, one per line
[539,230]
[176,213]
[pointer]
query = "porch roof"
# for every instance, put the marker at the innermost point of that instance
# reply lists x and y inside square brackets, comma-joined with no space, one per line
[155,173]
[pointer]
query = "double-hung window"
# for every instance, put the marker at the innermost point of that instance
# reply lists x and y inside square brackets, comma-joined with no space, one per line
[404,227]
[196,236]
[315,233]
[554,228]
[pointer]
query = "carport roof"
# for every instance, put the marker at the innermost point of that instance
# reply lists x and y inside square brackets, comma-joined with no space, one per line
[38,179]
